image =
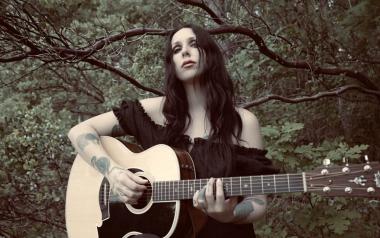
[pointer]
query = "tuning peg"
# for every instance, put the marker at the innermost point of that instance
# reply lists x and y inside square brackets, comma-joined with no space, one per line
[326,189]
[326,163]
[348,190]
[366,159]
[367,167]
[370,190]
[345,169]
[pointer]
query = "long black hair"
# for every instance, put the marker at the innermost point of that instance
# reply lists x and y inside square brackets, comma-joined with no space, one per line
[225,120]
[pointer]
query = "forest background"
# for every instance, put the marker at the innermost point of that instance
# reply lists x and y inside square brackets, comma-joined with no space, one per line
[308,69]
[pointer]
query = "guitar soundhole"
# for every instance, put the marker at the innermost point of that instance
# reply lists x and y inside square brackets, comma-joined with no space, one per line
[146,197]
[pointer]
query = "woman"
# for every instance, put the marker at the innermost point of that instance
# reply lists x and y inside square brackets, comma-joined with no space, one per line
[197,114]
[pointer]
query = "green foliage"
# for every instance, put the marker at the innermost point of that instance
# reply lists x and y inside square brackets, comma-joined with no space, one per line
[310,215]
[35,157]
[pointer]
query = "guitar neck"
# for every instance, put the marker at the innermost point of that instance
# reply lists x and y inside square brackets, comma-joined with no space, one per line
[232,186]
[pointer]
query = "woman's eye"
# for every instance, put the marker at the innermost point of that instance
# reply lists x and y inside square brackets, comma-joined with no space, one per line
[193,44]
[176,50]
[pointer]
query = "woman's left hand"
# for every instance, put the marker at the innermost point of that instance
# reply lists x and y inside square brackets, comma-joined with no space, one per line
[213,203]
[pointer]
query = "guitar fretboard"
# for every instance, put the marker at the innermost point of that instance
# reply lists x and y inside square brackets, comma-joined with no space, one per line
[232,186]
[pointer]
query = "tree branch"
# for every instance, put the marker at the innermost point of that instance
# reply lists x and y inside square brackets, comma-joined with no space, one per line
[103,42]
[110,68]
[216,16]
[317,96]
[289,64]
[15,58]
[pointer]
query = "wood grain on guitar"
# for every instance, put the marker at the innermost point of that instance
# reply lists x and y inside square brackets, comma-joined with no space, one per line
[166,210]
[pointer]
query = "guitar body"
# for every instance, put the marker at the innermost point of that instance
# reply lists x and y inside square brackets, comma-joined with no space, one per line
[91,213]
[165,208]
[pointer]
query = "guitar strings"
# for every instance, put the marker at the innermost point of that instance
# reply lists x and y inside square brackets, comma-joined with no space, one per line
[169,198]
[162,189]
[164,186]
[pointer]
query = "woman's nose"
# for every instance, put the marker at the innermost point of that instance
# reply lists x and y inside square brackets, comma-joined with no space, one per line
[185,52]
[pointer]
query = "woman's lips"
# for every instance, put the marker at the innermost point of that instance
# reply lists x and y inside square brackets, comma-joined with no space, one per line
[188,64]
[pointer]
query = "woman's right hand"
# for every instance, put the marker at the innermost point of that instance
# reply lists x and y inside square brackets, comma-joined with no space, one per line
[126,185]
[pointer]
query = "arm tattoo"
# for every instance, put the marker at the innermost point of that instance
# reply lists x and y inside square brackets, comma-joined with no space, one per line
[242,210]
[258,201]
[84,139]
[117,131]
[102,164]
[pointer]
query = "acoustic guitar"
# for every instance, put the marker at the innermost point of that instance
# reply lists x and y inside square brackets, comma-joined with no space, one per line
[165,209]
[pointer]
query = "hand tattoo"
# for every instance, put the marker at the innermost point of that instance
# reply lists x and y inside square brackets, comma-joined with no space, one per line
[102,164]
[84,139]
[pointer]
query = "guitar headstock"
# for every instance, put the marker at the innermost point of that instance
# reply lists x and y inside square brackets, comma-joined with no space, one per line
[354,180]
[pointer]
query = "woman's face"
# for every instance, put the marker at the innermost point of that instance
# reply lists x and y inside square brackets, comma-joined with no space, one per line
[186,56]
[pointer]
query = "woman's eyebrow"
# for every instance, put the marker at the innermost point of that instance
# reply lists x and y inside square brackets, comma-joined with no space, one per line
[191,39]
[188,40]
[176,43]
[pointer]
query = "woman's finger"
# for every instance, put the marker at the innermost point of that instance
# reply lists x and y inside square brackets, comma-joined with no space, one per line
[127,180]
[219,194]
[137,179]
[195,199]
[202,198]
[210,192]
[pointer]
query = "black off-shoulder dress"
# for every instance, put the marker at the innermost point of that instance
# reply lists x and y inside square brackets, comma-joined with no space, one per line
[210,159]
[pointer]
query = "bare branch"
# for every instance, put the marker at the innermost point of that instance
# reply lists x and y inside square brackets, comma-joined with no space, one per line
[122,74]
[215,15]
[15,58]
[317,96]
[297,64]
[103,42]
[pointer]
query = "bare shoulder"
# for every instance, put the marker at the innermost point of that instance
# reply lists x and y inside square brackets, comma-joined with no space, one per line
[247,117]
[251,135]
[153,107]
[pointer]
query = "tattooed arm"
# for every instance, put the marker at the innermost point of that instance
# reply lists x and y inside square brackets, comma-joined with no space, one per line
[85,137]
[211,199]
[251,208]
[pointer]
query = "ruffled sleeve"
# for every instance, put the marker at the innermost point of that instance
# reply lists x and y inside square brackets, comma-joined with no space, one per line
[252,161]
[136,122]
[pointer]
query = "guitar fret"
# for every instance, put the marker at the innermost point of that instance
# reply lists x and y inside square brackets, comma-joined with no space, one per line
[268,184]
[282,183]
[250,184]
[246,187]
[232,186]
[287,175]
[257,186]
[241,192]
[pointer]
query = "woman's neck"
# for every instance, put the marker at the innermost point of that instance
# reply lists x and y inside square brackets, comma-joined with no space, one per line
[196,97]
